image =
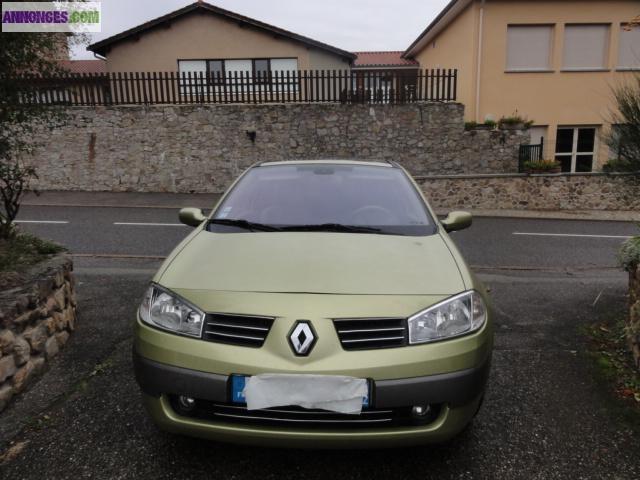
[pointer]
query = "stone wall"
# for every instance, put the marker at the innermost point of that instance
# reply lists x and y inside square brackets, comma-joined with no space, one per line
[203,148]
[633,331]
[36,319]
[594,191]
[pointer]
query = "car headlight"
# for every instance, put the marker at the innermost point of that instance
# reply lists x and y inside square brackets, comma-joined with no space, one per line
[166,310]
[455,316]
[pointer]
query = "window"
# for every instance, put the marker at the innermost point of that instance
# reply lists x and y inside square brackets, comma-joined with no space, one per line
[585,47]
[629,54]
[189,72]
[216,71]
[379,197]
[237,68]
[238,73]
[261,70]
[529,47]
[575,148]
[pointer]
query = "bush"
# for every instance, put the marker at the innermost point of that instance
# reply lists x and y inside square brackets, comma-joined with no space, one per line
[629,254]
[470,125]
[515,119]
[624,136]
[542,165]
[619,165]
[24,250]
[491,123]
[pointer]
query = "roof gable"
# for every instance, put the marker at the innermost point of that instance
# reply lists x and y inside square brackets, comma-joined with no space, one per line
[103,46]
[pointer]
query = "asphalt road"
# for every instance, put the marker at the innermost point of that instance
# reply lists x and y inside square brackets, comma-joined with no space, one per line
[492,242]
[545,416]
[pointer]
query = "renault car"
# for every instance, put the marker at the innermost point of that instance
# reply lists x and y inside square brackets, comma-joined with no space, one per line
[320,304]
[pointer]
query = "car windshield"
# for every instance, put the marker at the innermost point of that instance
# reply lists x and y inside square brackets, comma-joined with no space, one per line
[324,197]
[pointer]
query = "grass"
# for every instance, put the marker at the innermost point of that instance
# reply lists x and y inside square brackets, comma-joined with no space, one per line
[614,364]
[20,252]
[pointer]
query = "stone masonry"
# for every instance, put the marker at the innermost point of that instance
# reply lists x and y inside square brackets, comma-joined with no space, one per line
[36,319]
[203,148]
[592,191]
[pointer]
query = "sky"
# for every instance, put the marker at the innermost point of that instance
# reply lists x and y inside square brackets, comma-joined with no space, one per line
[352,25]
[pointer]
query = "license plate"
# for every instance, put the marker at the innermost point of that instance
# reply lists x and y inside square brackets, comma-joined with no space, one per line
[238,383]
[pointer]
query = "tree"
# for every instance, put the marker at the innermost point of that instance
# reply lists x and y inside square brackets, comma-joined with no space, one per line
[22,53]
[624,137]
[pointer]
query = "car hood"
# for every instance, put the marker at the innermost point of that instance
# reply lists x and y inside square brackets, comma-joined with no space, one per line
[315,262]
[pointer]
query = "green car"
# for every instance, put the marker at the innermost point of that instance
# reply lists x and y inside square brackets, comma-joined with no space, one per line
[321,304]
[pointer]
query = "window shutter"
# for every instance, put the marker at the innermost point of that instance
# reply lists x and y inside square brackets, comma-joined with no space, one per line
[529,47]
[629,55]
[585,47]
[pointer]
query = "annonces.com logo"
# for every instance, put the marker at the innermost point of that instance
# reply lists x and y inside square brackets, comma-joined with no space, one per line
[74,17]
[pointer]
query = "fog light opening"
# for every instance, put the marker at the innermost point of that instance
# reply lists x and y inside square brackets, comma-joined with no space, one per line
[186,404]
[420,412]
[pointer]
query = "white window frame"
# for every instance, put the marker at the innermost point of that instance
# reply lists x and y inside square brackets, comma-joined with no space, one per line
[574,153]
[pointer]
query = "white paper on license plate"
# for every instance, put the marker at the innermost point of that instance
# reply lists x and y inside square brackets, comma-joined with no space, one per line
[327,392]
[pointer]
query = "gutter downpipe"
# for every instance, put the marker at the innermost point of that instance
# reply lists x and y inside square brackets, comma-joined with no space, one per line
[479,66]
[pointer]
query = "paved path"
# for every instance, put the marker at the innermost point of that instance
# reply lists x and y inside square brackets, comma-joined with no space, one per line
[544,417]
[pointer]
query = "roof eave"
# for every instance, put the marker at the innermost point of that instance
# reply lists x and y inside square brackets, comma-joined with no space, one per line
[102,47]
[446,16]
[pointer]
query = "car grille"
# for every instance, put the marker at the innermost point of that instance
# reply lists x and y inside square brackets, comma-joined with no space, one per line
[371,333]
[296,417]
[237,329]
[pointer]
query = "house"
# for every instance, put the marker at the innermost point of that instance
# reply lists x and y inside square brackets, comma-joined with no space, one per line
[376,71]
[551,61]
[204,38]
[84,66]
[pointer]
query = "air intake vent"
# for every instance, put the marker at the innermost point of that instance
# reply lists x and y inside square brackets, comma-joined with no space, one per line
[237,329]
[371,333]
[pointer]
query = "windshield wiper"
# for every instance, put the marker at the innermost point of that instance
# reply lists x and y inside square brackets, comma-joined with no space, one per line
[331,227]
[244,224]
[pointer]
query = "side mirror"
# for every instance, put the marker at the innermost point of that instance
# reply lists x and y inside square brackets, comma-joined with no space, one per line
[191,216]
[457,221]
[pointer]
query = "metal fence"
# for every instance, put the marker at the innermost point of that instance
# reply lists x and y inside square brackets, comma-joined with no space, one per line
[302,86]
[530,153]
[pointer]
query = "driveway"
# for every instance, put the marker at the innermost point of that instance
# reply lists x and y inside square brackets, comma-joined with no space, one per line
[544,415]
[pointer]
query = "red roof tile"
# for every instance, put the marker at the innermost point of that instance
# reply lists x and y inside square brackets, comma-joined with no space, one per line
[85,66]
[382,59]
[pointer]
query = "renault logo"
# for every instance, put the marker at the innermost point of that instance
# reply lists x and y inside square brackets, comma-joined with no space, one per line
[302,338]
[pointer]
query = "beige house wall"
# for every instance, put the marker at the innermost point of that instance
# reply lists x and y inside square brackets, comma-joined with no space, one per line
[204,36]
[453,48]
[551,99]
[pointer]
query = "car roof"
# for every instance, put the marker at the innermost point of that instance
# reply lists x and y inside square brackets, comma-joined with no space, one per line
[371,163]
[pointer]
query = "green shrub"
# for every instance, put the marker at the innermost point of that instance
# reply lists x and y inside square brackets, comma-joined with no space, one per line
[470,125]
[491,123]
[619,165]
[629,254]
[23,250]
[515,119]
[542,165]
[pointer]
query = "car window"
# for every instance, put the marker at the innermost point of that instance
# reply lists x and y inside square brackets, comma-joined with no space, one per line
[288,196]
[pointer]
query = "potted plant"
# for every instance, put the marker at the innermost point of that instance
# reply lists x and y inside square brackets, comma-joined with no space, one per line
[514,122]
[543,166]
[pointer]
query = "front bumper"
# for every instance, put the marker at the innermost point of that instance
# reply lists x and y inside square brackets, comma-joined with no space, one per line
[458,395]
